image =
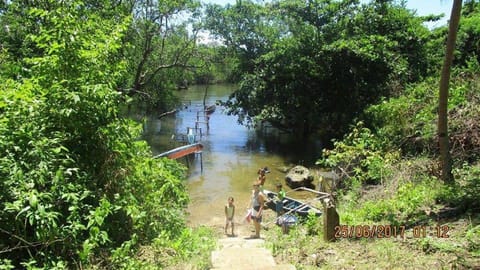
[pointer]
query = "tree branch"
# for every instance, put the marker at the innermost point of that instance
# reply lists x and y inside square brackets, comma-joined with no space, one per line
[26,243]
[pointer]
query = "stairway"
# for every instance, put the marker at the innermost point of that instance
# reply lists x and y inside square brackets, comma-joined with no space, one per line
[238,253]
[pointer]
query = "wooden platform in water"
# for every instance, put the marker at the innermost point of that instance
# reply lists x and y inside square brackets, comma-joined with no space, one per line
[182,151]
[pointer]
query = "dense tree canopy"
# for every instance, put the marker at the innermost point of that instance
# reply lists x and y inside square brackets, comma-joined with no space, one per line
[469,35]
[328,60]
[247,28]
[160,49]
[75,181]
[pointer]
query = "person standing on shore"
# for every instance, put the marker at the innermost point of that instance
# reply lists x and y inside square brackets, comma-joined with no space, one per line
[258,201]
[262,176]
[229,214]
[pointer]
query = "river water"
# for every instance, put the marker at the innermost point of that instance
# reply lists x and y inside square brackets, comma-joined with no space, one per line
[231,156]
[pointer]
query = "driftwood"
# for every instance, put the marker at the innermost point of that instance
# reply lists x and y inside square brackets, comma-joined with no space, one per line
[167,113]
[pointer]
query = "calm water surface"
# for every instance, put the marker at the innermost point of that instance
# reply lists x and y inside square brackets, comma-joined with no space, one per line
[231,156]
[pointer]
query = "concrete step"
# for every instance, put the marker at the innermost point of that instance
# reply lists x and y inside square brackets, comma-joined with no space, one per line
[250,257]
[242,253]
[276,267]
[240,242]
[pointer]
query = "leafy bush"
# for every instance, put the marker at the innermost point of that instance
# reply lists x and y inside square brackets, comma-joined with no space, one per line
[195,246]
[465,192]
[407,204]
[409,121]
[473,238]
[76,184]
[359,157]
[191,248]
[313,224]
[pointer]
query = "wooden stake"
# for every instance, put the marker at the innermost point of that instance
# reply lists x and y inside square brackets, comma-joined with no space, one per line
[331,219]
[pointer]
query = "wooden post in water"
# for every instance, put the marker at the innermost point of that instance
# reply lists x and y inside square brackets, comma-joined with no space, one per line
[331,219]
[188,161]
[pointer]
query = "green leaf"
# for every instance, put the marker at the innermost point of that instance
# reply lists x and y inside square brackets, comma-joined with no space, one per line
[22,211]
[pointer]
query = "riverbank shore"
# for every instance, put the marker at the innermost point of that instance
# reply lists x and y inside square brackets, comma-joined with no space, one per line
[307,251]
[434,243]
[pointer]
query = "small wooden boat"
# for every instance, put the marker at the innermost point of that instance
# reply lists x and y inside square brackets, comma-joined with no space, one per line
[291,205]
[210,109]
[182,151]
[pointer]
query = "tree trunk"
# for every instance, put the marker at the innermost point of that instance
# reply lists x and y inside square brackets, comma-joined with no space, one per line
[443,139]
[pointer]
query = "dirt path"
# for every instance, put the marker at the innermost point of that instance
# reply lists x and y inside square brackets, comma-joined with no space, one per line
[240,252]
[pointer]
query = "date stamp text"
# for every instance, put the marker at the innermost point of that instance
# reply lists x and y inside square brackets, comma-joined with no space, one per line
[390,231]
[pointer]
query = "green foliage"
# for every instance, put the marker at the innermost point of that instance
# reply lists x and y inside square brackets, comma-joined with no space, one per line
[281,244]
[312,224]
[328,61]
[359,157]
[247,28]
[466,190]
[469,34]
[430,245]
[192,248]
[404,207]
[218,64]
[415,195]
[405,32]
[473,238]
[407,121]
[124,257]
[160,47]
[469,180]
[76,183]
[467,48]
[410,121]
[196,246]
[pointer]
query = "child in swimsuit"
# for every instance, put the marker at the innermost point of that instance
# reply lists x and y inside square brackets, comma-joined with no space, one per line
[262,177]
[229,213]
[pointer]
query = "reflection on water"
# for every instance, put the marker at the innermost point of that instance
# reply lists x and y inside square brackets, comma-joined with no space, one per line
[231,157]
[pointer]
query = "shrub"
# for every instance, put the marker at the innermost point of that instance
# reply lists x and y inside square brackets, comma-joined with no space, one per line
[406,206]
[359,158]
[76,183]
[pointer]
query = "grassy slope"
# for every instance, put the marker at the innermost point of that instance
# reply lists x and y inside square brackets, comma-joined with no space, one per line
[404,190]
[310,252]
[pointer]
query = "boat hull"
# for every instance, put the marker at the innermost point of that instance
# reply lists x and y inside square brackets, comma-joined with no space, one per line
[291,205]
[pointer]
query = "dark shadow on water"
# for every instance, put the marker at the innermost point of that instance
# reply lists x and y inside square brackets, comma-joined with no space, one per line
[292,149]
